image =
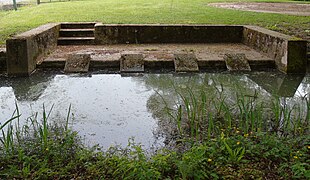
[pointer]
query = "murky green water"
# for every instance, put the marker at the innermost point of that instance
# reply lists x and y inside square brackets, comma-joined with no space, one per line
[108,109]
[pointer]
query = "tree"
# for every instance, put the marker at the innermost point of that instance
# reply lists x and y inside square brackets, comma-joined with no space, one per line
[15,5]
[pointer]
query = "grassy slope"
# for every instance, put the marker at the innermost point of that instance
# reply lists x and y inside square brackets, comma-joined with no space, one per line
[145,11]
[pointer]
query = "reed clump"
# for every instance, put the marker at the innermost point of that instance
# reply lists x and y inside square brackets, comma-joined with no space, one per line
[199,117]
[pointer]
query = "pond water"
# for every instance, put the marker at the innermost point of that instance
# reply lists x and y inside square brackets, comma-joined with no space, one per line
[107,109]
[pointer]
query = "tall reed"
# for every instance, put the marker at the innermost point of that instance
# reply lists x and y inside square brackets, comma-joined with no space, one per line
[13,137]
[199,116]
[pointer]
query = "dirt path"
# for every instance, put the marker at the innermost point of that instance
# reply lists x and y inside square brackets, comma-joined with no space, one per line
[280,8]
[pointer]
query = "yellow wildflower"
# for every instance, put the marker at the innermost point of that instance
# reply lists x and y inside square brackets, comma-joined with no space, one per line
[238,142]
[295,157]
[246,135]
[209,160]
[308,147]
[237,131]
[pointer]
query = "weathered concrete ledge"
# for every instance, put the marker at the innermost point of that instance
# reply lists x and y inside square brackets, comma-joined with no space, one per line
[290,54]
[24,50]
[158,65]
[157,57]
[160,33]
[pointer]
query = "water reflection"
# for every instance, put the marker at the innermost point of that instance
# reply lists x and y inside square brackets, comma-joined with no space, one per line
[278,84]
[109,109]
[265,88]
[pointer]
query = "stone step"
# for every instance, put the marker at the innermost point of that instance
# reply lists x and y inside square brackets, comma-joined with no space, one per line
[82,25]
[185,62]
[237,62]
[78,62]
[76,33]
[131,63]
[76,41]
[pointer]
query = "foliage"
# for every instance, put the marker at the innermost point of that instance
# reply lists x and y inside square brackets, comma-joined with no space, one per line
[199,117]
[43,150]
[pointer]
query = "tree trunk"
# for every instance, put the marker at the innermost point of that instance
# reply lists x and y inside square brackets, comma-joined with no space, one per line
[15,5]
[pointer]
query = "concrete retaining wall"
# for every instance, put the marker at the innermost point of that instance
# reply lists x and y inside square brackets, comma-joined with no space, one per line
[124,33]
[290,54]
[24,50]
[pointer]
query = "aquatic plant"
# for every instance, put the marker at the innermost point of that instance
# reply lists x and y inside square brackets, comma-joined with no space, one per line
[60,154]
[199,117]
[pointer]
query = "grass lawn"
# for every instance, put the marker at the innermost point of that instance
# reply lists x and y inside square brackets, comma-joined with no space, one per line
[142,11]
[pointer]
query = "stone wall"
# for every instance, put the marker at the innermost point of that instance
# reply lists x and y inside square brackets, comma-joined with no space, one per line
[290,54]
[24,50]
[138,34]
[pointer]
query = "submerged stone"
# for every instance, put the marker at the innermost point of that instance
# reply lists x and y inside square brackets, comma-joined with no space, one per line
[77,63]
[132,63]
[237,62]
[185,62]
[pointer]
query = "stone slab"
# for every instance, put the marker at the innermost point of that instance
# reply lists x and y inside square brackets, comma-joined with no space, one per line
[77,63]
[186,62]
[237,62]
[131,63]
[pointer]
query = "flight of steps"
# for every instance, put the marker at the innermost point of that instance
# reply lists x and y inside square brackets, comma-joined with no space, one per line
[77,34]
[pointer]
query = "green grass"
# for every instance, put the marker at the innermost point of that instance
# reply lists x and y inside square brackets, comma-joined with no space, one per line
[142,11]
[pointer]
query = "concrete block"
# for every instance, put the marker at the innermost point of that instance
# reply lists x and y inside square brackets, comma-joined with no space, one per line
[296,60]
[19,63]
[78,62]
[24,50]
[237,62]
[185,63]
[131,63]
